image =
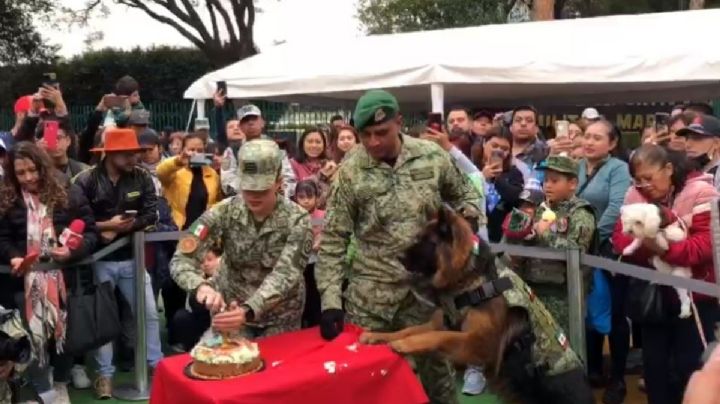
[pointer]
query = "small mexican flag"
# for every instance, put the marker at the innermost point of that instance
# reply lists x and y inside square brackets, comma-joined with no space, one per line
[562,340]
[476,244]
[199,230]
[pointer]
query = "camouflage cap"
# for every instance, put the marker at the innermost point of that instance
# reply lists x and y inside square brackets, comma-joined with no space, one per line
[375,107]
[259,163]
[561,164]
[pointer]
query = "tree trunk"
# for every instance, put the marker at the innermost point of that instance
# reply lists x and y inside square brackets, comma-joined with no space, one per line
[697,4]
[543,10]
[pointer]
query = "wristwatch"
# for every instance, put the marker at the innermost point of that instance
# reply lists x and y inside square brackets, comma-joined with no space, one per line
[249,313]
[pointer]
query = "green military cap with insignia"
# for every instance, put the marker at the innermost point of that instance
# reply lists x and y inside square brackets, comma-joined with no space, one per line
[560,164]
[259,163]
[375,107]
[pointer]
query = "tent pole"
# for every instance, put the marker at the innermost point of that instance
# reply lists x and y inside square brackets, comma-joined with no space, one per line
[437,95]
[192,109]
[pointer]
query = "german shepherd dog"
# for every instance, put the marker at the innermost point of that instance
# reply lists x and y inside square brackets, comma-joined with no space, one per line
[491,333]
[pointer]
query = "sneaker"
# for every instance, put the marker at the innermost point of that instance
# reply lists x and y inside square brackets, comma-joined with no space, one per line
[615,393]
[80,379]
[474,381]
[62,394]
[103,388]
[50,397]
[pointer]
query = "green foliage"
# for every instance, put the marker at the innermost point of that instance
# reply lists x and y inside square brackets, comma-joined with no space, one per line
[389,16]
[19,41]
[163,73]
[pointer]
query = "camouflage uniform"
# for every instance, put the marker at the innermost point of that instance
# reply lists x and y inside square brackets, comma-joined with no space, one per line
[385,208]
[573,228]
[14,328]
[262,263]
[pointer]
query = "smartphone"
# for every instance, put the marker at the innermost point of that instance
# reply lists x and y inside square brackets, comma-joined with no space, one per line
[202,123]
[50,79]
[50,133]
[114,101]
[661,122]
[435,121]
[201,159]
[497,157]
[222,86]
[129,214]
[562,129]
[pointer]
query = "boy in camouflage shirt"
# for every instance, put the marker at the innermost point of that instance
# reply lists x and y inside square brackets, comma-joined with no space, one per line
[562,221]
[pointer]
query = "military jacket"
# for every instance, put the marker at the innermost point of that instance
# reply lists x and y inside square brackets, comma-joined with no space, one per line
[385,208]
[262,264]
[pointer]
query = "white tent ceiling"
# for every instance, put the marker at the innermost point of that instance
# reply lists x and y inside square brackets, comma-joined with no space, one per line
[650,57]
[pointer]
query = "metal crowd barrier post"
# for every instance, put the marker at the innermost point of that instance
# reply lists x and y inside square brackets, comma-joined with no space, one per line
[139,391]
[715,237]
[576,302]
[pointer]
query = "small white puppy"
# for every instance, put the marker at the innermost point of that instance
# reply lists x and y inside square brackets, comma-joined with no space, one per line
[643,220]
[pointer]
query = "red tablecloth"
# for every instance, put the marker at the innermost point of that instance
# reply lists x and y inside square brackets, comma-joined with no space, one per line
[295,372]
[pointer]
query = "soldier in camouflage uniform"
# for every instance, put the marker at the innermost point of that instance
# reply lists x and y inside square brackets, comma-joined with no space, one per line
[12,326]
[563,221]
[382,194]
[266,242]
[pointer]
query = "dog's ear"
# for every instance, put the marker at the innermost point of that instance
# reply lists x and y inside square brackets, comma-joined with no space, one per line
[444,223]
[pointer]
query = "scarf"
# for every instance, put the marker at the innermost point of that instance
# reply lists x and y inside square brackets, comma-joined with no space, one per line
[45,294]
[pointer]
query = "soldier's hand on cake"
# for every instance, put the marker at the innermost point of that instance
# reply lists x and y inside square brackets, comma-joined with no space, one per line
[210,298]
[233,318]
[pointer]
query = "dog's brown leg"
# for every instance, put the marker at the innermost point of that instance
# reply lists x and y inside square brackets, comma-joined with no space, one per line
[370,337]
[450,343]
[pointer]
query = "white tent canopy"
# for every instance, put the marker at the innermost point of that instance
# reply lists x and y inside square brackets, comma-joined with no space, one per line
[650,57]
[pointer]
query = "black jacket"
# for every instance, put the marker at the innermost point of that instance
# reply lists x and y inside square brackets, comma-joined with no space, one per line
[13,236]
[133,191]
[509,185]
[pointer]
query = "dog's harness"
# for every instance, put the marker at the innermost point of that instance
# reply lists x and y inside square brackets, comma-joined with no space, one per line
[486,291]
[476,297]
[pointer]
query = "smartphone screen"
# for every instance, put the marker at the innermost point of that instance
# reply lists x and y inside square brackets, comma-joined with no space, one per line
[222,86]
[562,129]
[129,214]
[50,79]
[50,133]
[497,157]
[661,122]
[435,120]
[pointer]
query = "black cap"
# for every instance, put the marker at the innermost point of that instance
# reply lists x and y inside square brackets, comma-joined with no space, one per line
[148,137]
[703,125]
[483,113]
[533,196]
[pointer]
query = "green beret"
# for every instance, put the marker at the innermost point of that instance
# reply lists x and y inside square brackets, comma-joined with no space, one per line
[375,107]
[561,164]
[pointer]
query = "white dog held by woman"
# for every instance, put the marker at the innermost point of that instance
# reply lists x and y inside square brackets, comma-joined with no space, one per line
[645,220]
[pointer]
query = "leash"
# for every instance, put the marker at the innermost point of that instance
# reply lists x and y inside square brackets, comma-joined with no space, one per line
[698,324]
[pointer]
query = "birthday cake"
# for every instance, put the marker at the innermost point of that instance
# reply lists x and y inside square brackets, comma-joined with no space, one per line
[221,358]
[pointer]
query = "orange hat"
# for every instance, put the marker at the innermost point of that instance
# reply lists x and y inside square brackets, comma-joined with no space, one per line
[23,104]
[119,140]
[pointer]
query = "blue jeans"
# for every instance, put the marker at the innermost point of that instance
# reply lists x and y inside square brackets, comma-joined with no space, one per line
[122,275]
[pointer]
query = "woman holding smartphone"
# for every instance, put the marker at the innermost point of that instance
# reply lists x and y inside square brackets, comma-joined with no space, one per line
[503,181]
[36,204]
[190,183]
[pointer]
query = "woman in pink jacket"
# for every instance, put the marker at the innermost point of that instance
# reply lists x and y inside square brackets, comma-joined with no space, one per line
[672,347]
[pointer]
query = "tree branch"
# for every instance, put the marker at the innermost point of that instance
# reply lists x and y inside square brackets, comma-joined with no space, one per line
[228,22]
[213,20]
[195,20]
[139,4]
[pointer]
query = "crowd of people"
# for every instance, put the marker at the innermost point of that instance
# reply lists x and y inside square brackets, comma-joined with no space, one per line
[258,257]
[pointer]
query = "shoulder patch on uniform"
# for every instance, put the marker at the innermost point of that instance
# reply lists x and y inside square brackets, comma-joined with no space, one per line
[188,245]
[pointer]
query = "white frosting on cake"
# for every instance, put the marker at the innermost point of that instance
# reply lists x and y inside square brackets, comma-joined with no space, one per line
[242,353]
